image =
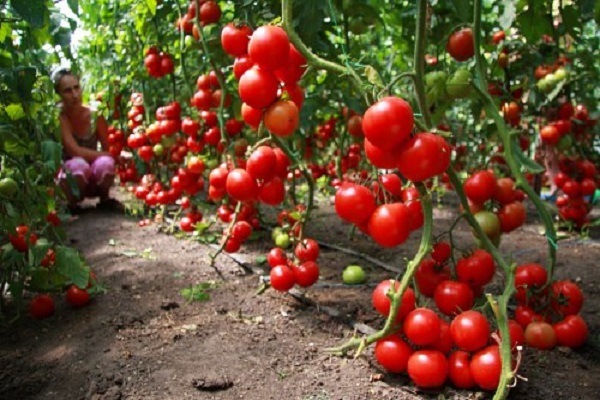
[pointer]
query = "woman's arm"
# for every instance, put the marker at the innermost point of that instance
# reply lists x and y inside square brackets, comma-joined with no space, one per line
[72,148]
[102,131]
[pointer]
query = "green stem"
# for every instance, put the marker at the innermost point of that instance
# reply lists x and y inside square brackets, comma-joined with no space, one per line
[312,58]
[419,62]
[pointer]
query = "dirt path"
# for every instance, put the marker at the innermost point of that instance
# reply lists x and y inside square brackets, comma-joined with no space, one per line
[142,340]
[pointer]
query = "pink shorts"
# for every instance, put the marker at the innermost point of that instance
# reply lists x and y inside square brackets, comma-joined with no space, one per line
[92,174]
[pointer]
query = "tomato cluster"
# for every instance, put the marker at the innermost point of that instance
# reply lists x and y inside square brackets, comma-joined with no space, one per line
[433,351]
[301,269]
[210,13]
[158,63]
[549,314]
[576,180]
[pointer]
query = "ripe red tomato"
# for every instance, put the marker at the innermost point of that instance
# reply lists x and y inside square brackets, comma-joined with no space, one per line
[528,279]
[389,224]
[505,191]
[428,275]
[380,158]
[428,368]
[525,315]
[486,367]
[388,123]
[541,335]
[235,39]
[258,88]
[470,330]
[355,126]
[441,252]
[293,69]
[77,297]
[276,256]
[272,192]
[269,47]
[283,278]
[571,332]
[452,297]
[354,203]
[480,187]
[459,370]
[210,12]
[307,250]
[476,270]
[41,306]
[241,186]
[392,353]
[549,134]
[282,118]
[307,273]
[498,36]
[512,216]
[423,156]
[444,343]
[422,326]
[262,163]
[382,303]
[461,45]
[232,245]
[241,65]
[567,298]
[516,333]
[241,231]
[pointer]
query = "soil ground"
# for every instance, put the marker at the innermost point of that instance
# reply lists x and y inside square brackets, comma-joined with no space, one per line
[143,340]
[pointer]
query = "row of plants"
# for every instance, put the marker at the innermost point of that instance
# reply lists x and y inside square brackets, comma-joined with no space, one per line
[230,109]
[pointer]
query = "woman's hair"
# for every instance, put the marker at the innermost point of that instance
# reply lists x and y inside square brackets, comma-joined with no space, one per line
[58,74]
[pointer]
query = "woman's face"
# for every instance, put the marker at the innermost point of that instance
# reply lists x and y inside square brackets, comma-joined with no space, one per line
[70,90]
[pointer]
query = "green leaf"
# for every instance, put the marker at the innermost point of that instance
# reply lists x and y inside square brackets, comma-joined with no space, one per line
[508,16]
[373,76]
[151,6]
[5,31]
[74,6]
[527,163]
[69,264]
[462,9]
[534,23]
[261,259]
[39,279]
[15,112]
[25,78]
[51,154]
[32,11]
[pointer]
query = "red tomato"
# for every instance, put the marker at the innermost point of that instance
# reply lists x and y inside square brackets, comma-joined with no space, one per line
[528,279]
[428,275]
[77,297]
[461,45]
[258,88]
[235,39]
[232,245]
[41,306]
[389,224]
[459,370]
[541,335]
[516,333]
[241,231]
[498,36]
[549,134]
[272,192]
[392,353]
[422,326]
[423,156]
[567,298]
[380,158]
[470,330]
[444,343]
[480,187]
[307,273]
[282,118]
[392,183]
[262,163]
[571,332]
[486,367]
[294,68]
[241,186]
[210,12]
[452,297]
[428,368]
[269,47]
[441,252]
[276,257]
[283,278]
[476,270]
[307,250]
[186,224]
[355,126]
[388,123]
[512,216]
[382,303]
[525,315]
[505,191]
[354,203]
[241,65]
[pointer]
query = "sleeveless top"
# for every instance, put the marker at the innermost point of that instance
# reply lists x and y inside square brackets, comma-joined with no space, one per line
[90,139]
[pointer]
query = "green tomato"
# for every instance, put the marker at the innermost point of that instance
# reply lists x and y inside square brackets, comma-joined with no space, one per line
[211,163]
[169,141]
[8,187]
[354,275]
[565,143]
[282,241]
[276,232]
[543,85]
[458,86]
[489,223]
[158,150]
[561,74]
